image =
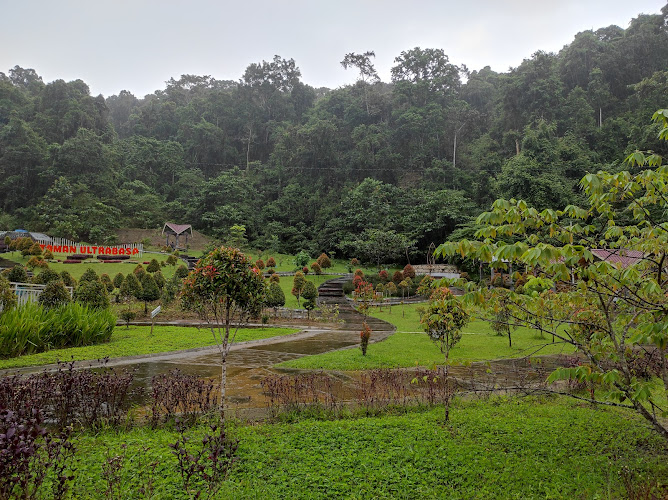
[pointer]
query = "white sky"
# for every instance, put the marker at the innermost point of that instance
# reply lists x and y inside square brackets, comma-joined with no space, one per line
[139,44]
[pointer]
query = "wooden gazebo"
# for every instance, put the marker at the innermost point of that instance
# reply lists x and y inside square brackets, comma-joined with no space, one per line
[176,230]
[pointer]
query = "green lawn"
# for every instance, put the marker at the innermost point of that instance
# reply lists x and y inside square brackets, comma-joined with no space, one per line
[76,270]
[286,286]
[137,340]
[409,346]
[502,448]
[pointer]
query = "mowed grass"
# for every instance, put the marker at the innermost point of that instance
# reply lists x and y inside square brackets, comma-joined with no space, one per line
[502,448]
[287,283]
[410,346]
[76,270]
[137,340]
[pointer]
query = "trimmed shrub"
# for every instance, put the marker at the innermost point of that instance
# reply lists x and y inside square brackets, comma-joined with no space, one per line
[54,295]
[46,276]
[118,280]
[139,270]
[130,288]
[18,274]
[315,267]
[36,262]
[172,260]
[92,294]
[359,272]
[35,249]
[409,272]
[324,261]
[149,290]
[305,270]
[7,295]
[159,279]
[259,263]
[383,276]
[181,272]
[89,275]
[271,262]
[397,277]
[48,255]
[275,278]
[275,297]
[106,281]
[153,266]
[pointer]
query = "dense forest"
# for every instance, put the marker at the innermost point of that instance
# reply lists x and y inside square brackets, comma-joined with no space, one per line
[405,162]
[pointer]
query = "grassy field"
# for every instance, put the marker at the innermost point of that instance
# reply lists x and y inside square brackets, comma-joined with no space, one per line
[501,448]
[137,340]
[410,346]
[76,270]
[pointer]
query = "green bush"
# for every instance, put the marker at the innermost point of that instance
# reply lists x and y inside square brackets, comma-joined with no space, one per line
[18,274]
[92,293]
[159,280]
[33,328]
[89,275]
[118,280]
[181,272]
[153,266]
[54,295]
[46,277]
[106,281]
[7,295]
[68,280]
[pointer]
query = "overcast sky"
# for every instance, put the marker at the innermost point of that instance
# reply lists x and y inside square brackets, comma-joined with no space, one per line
[139,44]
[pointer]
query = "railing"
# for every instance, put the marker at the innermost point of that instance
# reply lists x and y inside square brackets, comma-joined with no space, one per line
[29,292]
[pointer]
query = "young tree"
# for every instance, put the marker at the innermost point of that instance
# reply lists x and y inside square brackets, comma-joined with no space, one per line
[316,268]
[443,320]
[149,290]
[275,297]
[610,258]
[310,294]
[298,285]
[118,280]
[271,262]
[130,288]
[224,288]
[92,293]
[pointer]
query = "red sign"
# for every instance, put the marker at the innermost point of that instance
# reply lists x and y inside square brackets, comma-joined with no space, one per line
[90,250]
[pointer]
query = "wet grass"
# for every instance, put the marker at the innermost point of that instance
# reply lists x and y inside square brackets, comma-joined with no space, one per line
[501,448]
[137,340]
[410,346]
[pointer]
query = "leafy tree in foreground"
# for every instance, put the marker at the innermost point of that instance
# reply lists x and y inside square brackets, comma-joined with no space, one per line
[224,288]
[614,310]
[443,320]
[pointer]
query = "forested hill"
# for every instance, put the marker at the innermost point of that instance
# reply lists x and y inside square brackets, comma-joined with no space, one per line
[306,168]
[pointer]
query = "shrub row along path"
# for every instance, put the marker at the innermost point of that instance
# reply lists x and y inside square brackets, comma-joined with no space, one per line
[249,362]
